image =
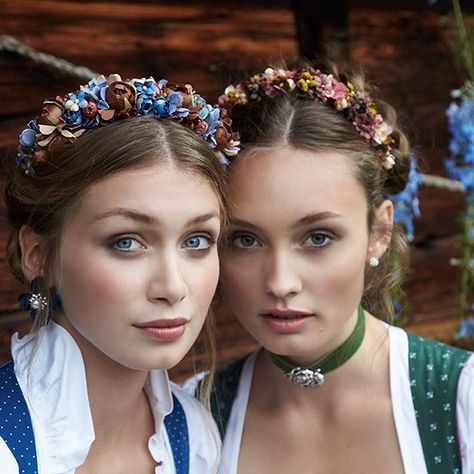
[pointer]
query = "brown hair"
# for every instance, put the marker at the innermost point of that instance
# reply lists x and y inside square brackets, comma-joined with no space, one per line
[45,202]
[312,125]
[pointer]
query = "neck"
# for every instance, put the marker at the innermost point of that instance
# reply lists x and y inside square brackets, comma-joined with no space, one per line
[119,405]
[116,396]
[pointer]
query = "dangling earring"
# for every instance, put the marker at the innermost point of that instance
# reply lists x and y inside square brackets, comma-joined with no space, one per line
[36,301]
[374,262]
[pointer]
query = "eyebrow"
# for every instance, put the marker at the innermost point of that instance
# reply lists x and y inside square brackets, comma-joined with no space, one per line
[316,217]
[147,219]
[304,221]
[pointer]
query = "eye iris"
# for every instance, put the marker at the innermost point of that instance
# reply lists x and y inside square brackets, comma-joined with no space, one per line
[246,240]
[124,243]
[318,239]
[194,242]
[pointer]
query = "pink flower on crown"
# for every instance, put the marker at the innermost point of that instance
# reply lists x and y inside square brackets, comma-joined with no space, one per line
[382,132]
[280,79]
[233,96]
[196,123]
[340,90]
[330,88]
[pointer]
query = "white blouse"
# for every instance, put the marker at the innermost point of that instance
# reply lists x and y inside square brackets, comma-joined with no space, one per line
[402,405]
[55,390]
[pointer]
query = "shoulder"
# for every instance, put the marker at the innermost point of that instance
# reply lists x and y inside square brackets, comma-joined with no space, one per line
[15,422]
[465,414]
[466,392]
[437,354]
[204,440]
[419,347]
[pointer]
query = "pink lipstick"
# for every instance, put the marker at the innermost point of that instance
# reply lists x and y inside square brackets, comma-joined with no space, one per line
[164,329]
[286,321]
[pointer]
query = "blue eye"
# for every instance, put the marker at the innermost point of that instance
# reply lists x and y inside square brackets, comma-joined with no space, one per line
[198,242]
[244,241]
[126,244]
[318,239]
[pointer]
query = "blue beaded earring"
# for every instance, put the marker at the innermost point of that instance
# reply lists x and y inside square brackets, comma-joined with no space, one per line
[36,301]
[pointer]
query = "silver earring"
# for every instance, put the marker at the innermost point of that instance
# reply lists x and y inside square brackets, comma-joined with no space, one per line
[374,262]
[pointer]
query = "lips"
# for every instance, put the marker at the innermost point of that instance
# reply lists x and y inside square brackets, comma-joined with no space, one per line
[286,321]
[164,329]
[163,323]
[285,314]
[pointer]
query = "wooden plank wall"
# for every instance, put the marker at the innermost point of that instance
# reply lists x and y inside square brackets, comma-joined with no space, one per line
[403,48]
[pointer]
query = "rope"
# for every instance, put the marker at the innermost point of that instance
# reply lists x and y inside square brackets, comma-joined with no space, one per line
[12,45]
[442,183]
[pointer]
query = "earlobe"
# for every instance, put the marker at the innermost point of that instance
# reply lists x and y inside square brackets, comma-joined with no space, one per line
[30,245]
[382,230]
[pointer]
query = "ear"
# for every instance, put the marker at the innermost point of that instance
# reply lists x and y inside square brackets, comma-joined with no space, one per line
[30,245]
[381,234]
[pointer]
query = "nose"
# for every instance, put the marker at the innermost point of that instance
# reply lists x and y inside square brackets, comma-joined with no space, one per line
[282,279]
[168,283]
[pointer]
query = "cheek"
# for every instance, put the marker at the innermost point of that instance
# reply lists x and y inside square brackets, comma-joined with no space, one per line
[343,276]
[95,281]
[202,281]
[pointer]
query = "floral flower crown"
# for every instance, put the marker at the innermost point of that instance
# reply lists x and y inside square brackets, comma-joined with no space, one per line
[104,101]
[311,83]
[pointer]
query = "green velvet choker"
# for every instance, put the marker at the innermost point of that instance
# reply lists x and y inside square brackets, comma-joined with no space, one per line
[313,375]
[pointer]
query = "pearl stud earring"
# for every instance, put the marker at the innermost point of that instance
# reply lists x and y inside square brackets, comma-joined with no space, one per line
[374,262]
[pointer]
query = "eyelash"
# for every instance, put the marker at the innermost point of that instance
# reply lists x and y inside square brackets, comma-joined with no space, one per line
[234,237]
[210,242]
[328,238]
[125,238]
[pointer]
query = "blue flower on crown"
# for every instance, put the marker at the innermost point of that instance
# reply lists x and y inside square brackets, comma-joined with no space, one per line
[212,117]
[147,90]
[407,203]
[73,115]
[28,136]
[96,89]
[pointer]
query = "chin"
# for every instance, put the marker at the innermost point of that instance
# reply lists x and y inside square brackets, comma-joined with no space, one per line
[154,363]
[287,345]
[170,357]
[160,358]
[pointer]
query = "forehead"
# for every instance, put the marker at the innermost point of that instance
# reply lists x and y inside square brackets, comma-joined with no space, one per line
[296,181]
[163,188]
